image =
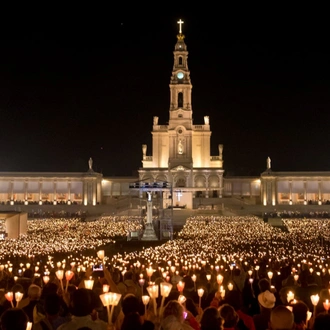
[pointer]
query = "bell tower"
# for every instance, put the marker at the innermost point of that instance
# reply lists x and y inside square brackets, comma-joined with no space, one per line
[180,84]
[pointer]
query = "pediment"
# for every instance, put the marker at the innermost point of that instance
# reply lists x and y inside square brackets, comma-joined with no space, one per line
[180,168]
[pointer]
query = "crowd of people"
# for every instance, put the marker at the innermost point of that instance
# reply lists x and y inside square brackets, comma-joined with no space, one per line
[219,273]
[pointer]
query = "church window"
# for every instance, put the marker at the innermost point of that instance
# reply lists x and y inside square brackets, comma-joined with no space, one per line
[180,60]
[180,100]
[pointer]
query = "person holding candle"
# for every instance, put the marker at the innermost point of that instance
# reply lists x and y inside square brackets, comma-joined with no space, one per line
[82,305]
[174,317]
[281,319]
[299,310]
[34,294]
[230,317]
[14,318]
[211,319]
[266,302]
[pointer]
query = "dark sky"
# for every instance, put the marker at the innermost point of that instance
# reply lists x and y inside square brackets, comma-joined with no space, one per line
[80,86]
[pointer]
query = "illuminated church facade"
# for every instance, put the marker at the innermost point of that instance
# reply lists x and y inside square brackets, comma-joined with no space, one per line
[179,159]
[181,149]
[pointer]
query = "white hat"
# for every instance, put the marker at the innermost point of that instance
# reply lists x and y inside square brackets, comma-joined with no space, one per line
[267,299]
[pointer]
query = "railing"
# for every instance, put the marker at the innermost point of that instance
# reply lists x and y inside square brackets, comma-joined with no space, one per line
[215,158]
[148,158]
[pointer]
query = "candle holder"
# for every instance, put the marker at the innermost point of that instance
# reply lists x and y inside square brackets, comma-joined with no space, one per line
[89,283]
[145,300]
[290,296]
[10,297]
[315,300]
[150,272]
[200,293]
[141,282]
[182,299]
[45,279]
[194,278]
[109,300]
[180,286]
[18,297]
[105,288]
[100,254]
[59,274]
[153,293]
[68,276]
[165,289]
[270,276]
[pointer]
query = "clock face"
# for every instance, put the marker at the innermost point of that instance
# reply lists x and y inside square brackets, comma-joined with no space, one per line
[180,75]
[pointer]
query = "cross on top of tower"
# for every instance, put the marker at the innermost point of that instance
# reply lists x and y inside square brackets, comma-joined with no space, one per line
[180,22]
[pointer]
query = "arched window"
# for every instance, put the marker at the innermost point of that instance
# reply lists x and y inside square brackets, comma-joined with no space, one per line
[180,100]
[180,60]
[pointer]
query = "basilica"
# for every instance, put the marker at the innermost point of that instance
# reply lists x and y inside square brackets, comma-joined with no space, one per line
[177,168]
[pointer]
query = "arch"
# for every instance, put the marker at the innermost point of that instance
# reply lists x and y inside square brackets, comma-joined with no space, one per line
[214,181]
[180,182]
[180,99]
[180,60]
[200,181]
[161,178]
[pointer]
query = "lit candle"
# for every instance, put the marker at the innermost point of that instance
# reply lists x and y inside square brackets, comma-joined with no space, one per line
[326,305]
[230,286]
[200,293]
[180,286]
[289,296]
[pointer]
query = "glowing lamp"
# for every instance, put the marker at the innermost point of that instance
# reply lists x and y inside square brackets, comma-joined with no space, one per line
[180,286]
[89,283]
[181,299]
[165,289]
[100,254]
[200,293]
[46,279]
[153,293]
[105,288]
[219,279]
[145,300]
[10,296]
[290,296]
[315,299]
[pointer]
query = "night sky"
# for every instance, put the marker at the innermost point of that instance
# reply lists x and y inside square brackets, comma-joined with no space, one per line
[80,87]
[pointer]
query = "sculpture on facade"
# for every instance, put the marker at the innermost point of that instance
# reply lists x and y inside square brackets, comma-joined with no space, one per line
[268,163]
[180,147]
[206,120]
[155,120]
[144,151]
[90,164]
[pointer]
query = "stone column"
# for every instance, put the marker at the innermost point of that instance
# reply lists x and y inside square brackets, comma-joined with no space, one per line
[40,192]
[25,192]
[290,192]
[69,193]
[320,193]
[94,192]
[274,193]
[55,192]
[85,192]
[11,189]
